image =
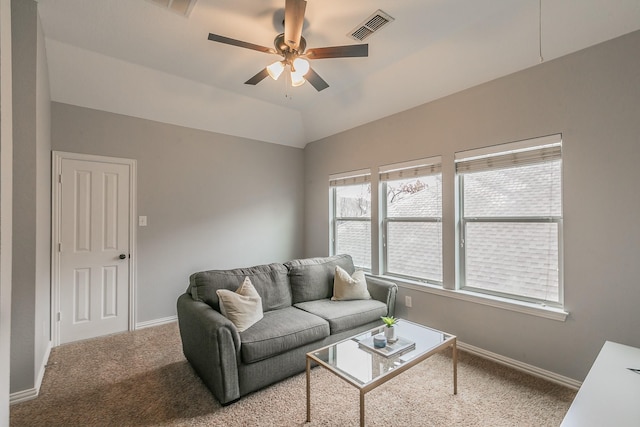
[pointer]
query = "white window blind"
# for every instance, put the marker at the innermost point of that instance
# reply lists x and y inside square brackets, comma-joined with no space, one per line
[350,178]
[523,153]
[509,160]
[411,213]
[510,213]
[351,215]
[414,169]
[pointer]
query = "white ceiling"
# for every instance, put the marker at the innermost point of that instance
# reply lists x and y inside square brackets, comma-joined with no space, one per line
[133,57]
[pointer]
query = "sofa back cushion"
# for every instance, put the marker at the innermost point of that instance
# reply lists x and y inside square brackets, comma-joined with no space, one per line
[312,278]
[271,282]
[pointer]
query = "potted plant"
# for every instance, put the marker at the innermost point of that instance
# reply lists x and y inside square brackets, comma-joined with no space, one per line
[390,329]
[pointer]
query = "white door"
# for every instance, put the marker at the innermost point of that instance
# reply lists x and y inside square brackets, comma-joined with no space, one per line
[94,249]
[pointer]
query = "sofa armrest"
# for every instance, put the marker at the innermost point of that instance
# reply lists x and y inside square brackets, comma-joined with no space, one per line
[384,291]
[211,344]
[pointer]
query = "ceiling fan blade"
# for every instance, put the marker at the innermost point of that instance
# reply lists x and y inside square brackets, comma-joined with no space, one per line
[293,22]
[315,80]
[257,78]
[356,50]
[234,42]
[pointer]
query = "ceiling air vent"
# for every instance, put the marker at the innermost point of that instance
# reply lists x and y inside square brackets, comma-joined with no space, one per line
[181,7]
[370,25]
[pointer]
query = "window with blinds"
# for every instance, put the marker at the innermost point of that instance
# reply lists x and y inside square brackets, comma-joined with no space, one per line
[411,196]
[350,195]
[510,220]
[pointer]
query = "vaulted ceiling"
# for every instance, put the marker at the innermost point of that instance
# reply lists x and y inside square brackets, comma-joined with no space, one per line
[137,58]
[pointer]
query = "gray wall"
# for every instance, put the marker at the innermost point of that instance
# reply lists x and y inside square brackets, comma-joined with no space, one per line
[6,181]
[212,200]
[43,209]
[30,320]
[592,97]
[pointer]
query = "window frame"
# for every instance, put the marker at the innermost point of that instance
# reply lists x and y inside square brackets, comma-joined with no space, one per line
[462,221]
[346,179]
[435,163]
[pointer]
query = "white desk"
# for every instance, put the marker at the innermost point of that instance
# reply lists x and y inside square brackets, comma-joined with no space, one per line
[610,394]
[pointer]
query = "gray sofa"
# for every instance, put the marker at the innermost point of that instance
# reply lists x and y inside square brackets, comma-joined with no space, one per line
[299,316]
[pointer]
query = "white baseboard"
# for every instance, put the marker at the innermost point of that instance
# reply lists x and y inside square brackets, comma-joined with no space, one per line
[524,367]
[23,396]
[156,322]
[43,366]
[32,393]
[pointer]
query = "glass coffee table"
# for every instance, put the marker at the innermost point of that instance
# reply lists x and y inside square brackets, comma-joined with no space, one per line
[366,367]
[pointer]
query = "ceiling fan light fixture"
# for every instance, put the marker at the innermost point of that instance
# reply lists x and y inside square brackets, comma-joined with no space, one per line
[297,78]
[275,69]
[301,66]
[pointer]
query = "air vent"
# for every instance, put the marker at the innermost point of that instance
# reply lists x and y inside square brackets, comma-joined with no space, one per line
[181,7]
[370,25]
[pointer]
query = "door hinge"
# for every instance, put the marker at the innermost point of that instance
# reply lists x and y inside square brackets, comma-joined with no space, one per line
[58,316]
[60,178]
[59,247]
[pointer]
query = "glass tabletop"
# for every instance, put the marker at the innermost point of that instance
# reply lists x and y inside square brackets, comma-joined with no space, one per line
[361,364]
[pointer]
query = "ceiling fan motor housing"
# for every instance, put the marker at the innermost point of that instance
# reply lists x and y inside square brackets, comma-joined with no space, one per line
[283,48]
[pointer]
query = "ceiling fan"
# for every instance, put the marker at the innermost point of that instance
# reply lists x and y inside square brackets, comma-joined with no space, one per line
[291,46]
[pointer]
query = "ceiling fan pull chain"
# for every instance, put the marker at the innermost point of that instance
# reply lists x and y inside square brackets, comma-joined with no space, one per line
[287,86]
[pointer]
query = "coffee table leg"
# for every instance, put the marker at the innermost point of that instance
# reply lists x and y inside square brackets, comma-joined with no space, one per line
[455,367]
[361,408]
[308,390]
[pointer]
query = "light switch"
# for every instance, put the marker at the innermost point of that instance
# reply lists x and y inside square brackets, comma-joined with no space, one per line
[142,221]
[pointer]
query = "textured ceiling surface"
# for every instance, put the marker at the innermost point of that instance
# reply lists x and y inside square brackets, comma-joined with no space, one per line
[133,57]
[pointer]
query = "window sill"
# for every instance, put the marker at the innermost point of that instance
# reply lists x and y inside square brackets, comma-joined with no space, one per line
[539,310]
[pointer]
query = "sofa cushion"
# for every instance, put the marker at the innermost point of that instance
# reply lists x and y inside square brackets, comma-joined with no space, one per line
[271,282]
[346,287]
[280,331]
[344,315]
[312,278]
[243,307]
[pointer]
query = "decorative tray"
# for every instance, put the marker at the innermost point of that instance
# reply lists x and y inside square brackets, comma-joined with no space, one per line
[401,345]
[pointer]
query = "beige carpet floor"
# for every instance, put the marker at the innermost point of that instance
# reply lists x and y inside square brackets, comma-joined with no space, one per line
[142,379]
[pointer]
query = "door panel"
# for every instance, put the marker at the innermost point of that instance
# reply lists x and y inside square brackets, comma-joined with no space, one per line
[94,232]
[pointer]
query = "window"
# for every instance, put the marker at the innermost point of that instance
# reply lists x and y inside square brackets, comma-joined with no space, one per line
[510,211]
[351,216]
[412,220]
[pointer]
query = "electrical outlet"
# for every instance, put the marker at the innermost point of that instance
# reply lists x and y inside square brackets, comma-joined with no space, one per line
[407,301]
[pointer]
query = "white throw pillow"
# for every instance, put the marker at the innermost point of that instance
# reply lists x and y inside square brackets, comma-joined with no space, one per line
[347,287]
[243,307]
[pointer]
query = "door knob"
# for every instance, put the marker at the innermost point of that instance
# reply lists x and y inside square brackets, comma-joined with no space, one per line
[122,256]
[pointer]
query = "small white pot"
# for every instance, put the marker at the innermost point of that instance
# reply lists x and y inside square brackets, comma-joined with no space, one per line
[390,334]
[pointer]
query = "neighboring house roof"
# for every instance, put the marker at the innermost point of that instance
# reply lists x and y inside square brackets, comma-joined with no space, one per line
[495,252]
[354,238]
